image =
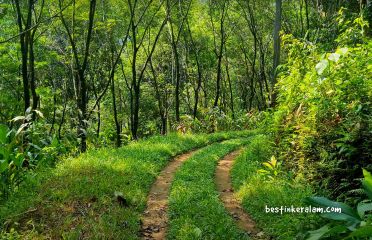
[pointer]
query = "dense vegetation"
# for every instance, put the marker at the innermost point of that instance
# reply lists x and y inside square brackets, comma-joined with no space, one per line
[133,83]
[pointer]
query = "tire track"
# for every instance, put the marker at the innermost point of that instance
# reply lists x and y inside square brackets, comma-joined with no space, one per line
[232,205]
[155,218]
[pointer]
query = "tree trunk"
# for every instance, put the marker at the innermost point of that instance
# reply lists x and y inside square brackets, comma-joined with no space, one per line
[117,124]
[230,88]
[197,90]
[35,97]
[24,40]
[218,81]
[80,68]
[278,20]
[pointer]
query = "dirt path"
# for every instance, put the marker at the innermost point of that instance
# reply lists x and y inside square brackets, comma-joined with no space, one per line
[232,205]
[155,219]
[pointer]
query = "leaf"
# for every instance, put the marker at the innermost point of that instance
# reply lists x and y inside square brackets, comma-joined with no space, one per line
[55,142]
[28,110]
[197,232]
[3,133]
[325,231]
[273,161]
[367,183]
[362,232]
[4,152]
[334,57]
[18,161]
[18,118]
[362,208]
[21,128]
[39,113]
[336,230]
[347,213]
[262,171]
[318,234]
[321,66]
[3,166]
[342,51]
[268,164]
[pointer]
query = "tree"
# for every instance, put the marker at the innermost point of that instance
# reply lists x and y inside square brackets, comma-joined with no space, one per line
[219,39]
[175,38]
[276,59]
[28,20]
[80,66]
[137,42]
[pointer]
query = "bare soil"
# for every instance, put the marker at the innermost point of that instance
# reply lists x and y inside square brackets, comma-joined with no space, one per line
[155,218]
[232,205]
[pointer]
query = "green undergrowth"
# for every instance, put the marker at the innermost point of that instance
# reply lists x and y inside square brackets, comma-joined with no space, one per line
[256,191]
[76,199]
[194,207]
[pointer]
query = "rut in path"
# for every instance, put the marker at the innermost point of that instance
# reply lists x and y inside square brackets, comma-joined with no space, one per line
[155,219]
[232,205]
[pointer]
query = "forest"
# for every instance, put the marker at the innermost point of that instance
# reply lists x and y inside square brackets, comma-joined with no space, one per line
[186,119]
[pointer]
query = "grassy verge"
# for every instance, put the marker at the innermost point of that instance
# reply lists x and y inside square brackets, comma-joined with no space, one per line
[194,207]
[256,192]
[76,199]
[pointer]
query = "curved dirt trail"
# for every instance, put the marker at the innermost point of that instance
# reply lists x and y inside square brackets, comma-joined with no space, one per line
[155,219]
[232,205]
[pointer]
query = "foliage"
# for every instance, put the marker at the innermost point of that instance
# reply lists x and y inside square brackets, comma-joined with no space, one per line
[322,123]
[24,148]
[214,120]
[272,168]
[350,223]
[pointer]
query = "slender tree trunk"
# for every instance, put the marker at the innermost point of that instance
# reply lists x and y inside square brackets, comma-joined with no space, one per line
[163,118]
[199,85]
[134,100]
[98,131]
[178,77]
[117,124]
[218,81]
[177,69]
[136,107]
[301,17]
[276,62]
[24,40]
[63,114]
[54,113]
[230,89]
[82,106]
[35,97]
[174,43]
[219,51]
[137,79]
[263,77]
[307,14]
[80,68]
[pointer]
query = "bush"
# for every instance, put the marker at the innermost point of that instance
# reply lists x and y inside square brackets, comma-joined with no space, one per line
[322,124]
[23,148]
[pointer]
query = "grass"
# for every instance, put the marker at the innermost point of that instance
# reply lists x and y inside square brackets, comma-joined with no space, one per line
[75,200]
[256,192]
[194,207]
